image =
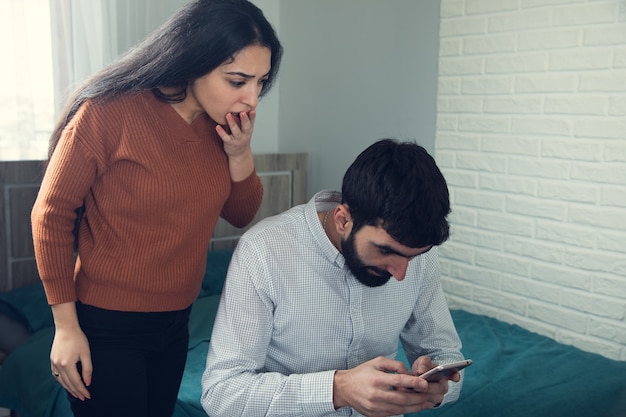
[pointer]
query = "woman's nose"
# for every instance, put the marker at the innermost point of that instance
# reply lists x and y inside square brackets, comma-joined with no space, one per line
[251,96]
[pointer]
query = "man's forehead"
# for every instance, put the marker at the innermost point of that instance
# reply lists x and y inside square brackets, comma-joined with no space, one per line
[379,237]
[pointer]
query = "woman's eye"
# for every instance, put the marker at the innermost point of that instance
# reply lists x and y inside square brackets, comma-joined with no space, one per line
[237,83]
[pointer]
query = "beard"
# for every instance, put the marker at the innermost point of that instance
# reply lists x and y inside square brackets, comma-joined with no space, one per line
[370,276]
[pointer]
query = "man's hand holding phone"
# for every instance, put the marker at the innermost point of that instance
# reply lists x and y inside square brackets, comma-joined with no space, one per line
[383,387]
[438,376]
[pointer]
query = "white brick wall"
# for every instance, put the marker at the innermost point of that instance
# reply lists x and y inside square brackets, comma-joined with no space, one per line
[531,136]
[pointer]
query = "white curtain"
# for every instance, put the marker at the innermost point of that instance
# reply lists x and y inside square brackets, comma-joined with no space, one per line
[84,39]
[89,34]
[48,47]
[26,96]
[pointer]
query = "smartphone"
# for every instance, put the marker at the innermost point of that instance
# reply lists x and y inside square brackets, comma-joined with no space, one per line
[445,370]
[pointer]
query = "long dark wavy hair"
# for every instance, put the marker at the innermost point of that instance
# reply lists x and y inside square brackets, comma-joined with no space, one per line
[197,39]
[397,185]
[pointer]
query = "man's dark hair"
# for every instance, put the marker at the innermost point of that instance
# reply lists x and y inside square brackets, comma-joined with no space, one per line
[397,185]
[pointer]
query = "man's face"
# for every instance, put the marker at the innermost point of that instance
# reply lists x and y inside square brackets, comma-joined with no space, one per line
[374,257]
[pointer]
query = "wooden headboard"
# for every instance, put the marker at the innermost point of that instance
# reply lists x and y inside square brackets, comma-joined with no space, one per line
[284,178]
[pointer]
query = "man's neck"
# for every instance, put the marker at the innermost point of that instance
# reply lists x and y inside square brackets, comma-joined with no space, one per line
[328,224]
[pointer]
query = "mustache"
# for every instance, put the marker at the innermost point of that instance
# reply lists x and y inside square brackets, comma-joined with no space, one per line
[366,276]
[371,270]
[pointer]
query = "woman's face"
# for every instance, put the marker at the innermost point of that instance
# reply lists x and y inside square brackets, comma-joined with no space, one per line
[233,87]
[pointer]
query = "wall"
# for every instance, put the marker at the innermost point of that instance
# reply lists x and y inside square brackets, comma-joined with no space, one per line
[531,136]
[265,139]
[355,71]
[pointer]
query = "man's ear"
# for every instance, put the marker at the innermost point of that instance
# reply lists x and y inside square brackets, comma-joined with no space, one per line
[343,218]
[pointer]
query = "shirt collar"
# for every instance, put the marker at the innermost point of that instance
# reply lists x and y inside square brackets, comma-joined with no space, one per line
[324,201]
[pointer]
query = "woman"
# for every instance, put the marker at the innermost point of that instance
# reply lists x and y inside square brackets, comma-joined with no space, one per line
[151,150]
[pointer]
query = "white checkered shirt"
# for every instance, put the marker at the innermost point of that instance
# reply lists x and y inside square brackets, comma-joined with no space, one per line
[291,314]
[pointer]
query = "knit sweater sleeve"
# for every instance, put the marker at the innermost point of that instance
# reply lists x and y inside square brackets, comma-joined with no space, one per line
[69,174]
[244,201]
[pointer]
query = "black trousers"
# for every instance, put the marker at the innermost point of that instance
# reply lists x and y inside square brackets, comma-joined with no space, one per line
[138,362]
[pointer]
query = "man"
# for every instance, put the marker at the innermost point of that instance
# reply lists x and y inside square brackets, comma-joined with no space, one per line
[309,319]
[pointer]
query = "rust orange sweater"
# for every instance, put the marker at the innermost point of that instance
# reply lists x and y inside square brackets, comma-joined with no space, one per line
[153,187]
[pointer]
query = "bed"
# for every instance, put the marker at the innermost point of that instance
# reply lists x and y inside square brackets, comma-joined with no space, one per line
[515,372]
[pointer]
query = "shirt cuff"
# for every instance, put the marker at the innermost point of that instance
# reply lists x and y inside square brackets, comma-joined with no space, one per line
[452,395]
[317,393]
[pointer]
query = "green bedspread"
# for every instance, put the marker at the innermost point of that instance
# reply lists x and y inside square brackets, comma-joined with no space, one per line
[515,372]
[520,373]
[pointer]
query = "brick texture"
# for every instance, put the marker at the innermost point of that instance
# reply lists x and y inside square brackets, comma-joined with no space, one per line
[531,136]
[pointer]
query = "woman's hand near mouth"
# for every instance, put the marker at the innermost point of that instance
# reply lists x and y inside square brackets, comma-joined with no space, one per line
[237,143]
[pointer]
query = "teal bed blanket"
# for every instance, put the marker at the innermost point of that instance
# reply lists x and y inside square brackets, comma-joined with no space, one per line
[518,373]
[515,372]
